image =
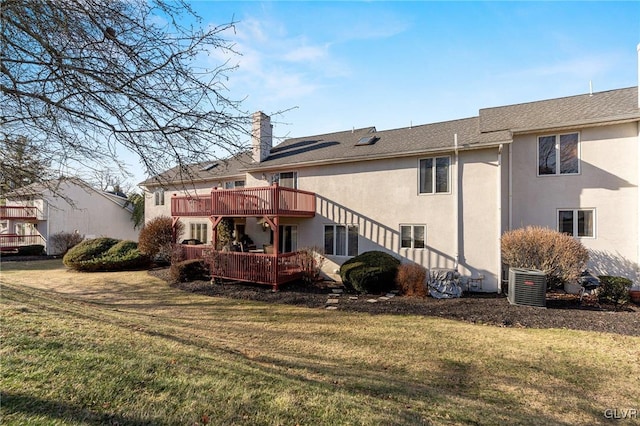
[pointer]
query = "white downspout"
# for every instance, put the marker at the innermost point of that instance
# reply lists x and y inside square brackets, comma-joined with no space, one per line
[499,220]
[510,189]
[456,202]
[48,251]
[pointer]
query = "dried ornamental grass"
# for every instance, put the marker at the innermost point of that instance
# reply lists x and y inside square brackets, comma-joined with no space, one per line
[561,257]
[411,280]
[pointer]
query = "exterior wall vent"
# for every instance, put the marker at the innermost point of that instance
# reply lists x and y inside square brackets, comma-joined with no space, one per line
[527,287]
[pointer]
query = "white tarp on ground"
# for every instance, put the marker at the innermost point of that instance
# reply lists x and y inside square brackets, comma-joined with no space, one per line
[444,284]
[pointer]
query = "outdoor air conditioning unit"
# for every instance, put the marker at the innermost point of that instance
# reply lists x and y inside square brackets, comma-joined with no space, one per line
[527,287]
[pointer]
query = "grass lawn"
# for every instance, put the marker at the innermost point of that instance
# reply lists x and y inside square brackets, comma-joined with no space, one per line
[125,348]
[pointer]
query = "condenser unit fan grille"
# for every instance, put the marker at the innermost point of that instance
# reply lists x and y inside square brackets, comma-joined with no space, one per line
[527,287]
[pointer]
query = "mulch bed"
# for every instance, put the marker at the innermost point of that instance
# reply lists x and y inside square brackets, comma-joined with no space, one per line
[563,311]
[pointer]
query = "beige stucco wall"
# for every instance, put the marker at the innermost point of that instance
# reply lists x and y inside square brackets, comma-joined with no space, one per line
[608,183]
[380,196]
[480,216]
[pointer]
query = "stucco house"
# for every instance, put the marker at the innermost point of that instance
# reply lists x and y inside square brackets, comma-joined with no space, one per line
[439,195]
[35,213]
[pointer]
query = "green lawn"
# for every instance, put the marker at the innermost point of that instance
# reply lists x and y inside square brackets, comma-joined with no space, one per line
[125,348]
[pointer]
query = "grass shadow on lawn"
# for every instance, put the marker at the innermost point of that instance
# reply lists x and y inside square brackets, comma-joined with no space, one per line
[34,407]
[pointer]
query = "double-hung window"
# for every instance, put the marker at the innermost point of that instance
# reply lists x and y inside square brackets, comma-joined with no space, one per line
[341,240]
[159,197]
[577,222]
[413,236]
[434,175]
[558,154]
[198,231]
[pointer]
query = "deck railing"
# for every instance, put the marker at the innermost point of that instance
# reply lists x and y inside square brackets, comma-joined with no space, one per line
[252,267]
[20,212]
[260,201]
[13,241]
[191,206]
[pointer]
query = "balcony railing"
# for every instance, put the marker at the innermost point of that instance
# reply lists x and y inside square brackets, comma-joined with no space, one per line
[258,268]
[20,213]
[13,241]
[262,201]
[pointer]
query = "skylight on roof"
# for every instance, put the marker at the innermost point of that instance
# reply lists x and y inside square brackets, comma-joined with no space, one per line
[208,167]
[367,140]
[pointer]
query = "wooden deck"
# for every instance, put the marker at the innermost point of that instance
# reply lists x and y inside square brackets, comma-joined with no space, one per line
[261,201]
[258,268]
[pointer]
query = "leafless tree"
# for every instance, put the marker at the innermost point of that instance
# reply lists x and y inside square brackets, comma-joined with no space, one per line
[21,164]
[86,80]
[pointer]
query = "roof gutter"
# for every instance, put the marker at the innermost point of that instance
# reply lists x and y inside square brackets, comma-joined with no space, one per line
[629,118]
[464,147]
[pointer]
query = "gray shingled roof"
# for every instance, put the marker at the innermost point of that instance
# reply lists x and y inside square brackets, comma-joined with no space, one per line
[341,146]
[600,107]
[233,166]
[491,127]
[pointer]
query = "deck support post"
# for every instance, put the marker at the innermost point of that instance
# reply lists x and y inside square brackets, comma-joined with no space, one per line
[215,220]
[174,235]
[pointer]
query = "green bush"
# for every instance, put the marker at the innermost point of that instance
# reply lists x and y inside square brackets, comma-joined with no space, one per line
[189,270]
[561,257]
[411,280]
[87,250]
[370,272]
[614,290]
[105,254]
[31,250]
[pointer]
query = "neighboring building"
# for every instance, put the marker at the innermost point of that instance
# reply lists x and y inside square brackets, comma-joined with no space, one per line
[34,213]
[439,195]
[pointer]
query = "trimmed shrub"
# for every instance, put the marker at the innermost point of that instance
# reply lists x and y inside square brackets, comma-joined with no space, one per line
[105,254]
[88,250]
[156,238]
[614,290]
[31,250]
[411,280]
[561,257]
[189,270]
[61,242]
[370,272]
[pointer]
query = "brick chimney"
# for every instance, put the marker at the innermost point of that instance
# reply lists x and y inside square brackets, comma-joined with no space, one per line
[261,136]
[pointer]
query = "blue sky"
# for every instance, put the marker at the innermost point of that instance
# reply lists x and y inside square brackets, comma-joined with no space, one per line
[392,64]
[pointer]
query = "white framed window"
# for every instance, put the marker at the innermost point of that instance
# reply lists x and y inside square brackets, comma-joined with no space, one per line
[158,195]
[231,184]
[288,179]
[434,176]
[413,236]
[559,154]
[577,222]
[199,231]
[341,240]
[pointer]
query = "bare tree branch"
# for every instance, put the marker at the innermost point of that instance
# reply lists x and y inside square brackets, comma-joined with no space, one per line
[84,80]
